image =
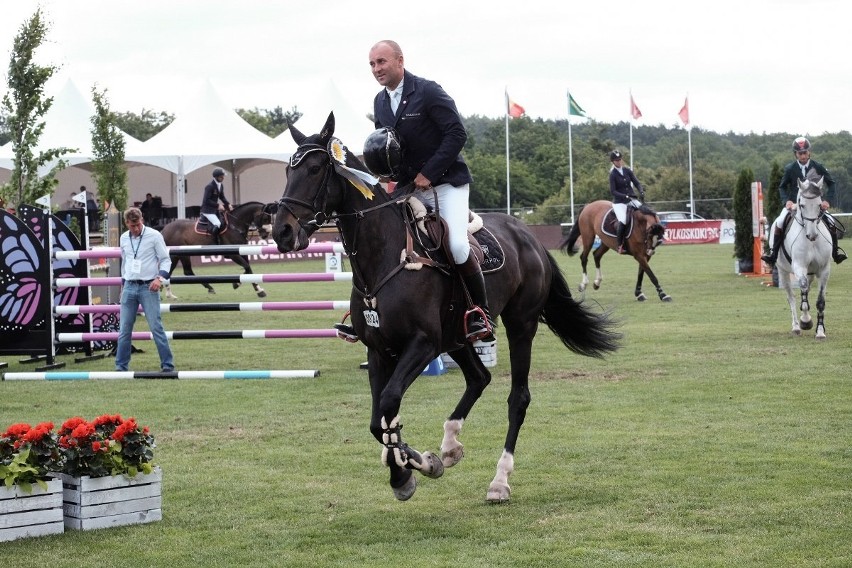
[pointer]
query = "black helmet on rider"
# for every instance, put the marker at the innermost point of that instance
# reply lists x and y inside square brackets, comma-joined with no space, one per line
[801,144]
[383,153]
[615,155]
[218,172]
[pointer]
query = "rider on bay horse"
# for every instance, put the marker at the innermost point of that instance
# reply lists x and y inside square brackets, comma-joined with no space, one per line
[799,170]
[213,193]
[622,185]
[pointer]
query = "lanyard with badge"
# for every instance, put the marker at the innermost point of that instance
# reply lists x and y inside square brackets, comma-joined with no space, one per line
[136,264]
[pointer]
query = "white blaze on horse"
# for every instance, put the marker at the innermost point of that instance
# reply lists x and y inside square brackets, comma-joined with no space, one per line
[806,256]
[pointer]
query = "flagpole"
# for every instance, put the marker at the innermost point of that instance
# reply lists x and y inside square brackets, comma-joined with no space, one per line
[631,144]
[508,183]
[570,160]
[691,200]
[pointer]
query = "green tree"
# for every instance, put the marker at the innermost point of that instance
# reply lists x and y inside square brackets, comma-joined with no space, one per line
[270,122]
[145,125]
[25,105]
[743,241]
[108,168]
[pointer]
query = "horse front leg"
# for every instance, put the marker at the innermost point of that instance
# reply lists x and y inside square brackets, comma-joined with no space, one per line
[476,378]
[386,425]
[820,327]
[167,289]
[640,296]
[805,319]
[784,283]
[644,266]
[244,263]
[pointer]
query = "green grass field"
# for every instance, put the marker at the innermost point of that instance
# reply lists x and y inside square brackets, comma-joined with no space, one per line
[712,438]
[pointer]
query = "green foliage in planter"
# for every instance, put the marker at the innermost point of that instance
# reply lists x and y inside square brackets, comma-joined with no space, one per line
[772,199]
[18,471]
[743,241]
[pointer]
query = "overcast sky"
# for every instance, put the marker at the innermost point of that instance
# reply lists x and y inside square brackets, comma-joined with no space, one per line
[746,65]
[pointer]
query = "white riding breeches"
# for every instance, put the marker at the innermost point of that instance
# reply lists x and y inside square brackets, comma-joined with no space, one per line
[213,218]
[453,207]
[779,222]
[621,210]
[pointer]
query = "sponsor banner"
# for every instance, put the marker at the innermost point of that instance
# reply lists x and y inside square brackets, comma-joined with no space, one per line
[699,232]
[252,258]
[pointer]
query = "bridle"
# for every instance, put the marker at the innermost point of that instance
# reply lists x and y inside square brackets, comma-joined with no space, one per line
[321,198]
[802,211]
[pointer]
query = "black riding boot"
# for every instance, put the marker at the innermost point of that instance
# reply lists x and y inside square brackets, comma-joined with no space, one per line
[478,323]
[837,253]
[622,229]
[778,240]
[216,231]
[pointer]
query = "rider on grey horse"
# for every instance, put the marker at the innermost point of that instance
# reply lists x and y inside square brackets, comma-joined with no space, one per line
[800,170]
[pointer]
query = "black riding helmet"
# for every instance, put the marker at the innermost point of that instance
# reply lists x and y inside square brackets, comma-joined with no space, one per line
[383,153]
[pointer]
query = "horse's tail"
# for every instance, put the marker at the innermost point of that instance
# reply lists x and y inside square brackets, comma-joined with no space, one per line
[568,244]
[580,329]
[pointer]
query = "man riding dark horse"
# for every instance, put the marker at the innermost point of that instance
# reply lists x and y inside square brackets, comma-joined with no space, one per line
[213,193]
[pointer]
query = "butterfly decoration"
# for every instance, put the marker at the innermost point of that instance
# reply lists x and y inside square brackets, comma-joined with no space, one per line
[21,284]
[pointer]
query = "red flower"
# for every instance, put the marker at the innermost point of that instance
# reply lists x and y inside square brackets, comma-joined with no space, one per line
[96,446]
[69,425]
[17,430]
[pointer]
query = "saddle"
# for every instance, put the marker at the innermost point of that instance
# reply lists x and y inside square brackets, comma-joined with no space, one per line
[203,226]
[609,224]
[432,234]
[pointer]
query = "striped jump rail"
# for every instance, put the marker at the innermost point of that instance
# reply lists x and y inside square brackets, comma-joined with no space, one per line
[223,334]
[212,307]
[113,375]
[207,250]
[216,279]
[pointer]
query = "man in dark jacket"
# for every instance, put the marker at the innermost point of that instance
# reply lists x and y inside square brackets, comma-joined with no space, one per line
[801,169]
[430,127]
[214,192]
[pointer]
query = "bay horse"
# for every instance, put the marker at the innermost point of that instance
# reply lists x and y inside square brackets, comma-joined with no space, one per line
[641,242]
[806,255]
[182,232]
[407,316]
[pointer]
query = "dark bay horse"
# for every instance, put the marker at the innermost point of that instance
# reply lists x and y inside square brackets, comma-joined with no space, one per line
[408,316]
[240,221]
[646,234]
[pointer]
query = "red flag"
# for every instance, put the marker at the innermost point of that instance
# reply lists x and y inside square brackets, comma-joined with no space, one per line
[684,112]
[634,110]
[514,109]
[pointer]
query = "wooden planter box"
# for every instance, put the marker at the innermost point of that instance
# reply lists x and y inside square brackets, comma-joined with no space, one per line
[99,502]
[31,514]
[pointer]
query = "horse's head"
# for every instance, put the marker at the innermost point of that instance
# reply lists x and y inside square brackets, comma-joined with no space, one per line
[651,228]
[323,179]
[809,205]
[251,214]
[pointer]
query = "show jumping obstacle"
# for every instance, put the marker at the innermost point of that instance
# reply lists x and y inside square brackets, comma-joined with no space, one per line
[109,375]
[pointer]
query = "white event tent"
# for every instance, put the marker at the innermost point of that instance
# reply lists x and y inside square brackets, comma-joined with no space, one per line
[206,132]
[350,126]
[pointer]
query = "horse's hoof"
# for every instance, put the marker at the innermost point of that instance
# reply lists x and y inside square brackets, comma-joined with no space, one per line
[404,492]
[797,332]
[452,456]
[261,294]
[236,285]
[641,298]
[666,298]
[211,291]
[819,337]
[498,493]
[433,466]
[596,286]
[806,324]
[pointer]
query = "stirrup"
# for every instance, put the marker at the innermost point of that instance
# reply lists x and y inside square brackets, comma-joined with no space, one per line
[481,329]
[839,256]
[345,331]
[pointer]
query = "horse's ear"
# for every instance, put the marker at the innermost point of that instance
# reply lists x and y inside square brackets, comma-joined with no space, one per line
[328,129]
[298,137]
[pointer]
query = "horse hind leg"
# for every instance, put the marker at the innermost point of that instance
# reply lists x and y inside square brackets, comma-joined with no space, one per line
[244,263]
